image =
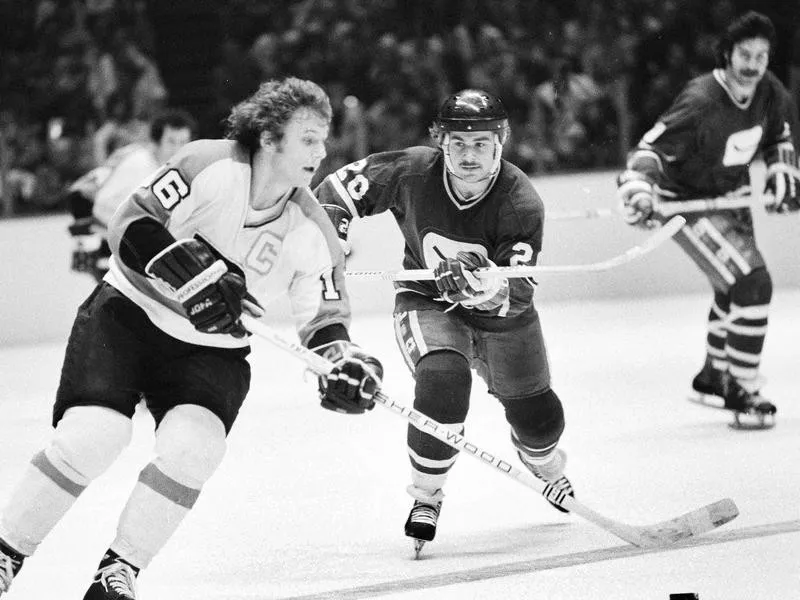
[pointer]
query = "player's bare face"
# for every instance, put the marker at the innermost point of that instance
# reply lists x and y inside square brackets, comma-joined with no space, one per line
[172,140]
[472,154]
[302,149]
[748,62]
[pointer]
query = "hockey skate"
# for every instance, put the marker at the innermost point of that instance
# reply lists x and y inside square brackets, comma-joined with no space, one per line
[10,564]
[720,390]
[115,579]
[421,523]
[551,472]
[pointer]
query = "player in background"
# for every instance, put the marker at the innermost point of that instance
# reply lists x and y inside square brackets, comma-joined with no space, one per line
[223,226]
[93,198]
[460,206]
[700,147]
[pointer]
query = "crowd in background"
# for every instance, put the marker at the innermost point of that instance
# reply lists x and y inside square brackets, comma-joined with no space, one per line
[581,79]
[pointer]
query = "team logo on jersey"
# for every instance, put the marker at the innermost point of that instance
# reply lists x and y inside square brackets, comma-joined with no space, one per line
[436,247]
[742,146]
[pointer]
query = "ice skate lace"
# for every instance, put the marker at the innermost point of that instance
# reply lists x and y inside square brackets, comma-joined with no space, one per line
[6,573]
[425,514]
[120,578]
[8,568]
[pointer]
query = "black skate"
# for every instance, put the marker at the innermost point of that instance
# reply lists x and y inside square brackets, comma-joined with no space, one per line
[421,523]
[115,580]
[720,390]
[750,409]
[709,382]
[10,564]
[558,486]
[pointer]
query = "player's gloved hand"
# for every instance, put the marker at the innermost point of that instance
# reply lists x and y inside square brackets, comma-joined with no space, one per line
[355,379]
[457,283]
[783,179]
[86,249]
[211,294]
[636,197]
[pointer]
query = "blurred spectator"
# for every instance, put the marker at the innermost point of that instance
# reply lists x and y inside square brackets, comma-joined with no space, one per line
[580,78]
[119,129]
[565,111]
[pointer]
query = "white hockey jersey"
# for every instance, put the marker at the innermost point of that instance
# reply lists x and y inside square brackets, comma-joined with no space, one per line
[290,248]
[109,184]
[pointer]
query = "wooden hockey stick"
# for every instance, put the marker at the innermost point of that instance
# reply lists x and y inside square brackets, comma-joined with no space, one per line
[673,207]
[587,213]
[688,525]
[664,233]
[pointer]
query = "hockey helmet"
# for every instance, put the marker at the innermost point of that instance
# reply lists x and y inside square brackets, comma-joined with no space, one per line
[471,110]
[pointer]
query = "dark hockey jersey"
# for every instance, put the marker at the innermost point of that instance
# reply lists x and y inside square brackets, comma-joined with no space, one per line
[703,144]
[506,225]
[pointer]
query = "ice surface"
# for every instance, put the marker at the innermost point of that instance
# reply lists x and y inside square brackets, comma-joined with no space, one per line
[311,504]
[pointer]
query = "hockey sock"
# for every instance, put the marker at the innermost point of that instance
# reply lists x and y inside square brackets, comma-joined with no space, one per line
[190,444]
[443,384]
[717,333]
[86,441]
[747,323]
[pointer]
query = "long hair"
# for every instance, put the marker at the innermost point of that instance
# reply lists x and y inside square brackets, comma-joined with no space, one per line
[751,24]
[271,107]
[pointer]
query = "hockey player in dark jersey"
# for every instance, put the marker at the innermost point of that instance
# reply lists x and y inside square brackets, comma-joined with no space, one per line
[223,226]
[460,206]
[702,147]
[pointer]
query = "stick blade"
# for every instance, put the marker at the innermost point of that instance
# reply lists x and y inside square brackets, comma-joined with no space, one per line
[691,524]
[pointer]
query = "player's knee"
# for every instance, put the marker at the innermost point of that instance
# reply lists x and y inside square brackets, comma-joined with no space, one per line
[537,421]
[443,384]
[190,445]
[753,289]
[87,440]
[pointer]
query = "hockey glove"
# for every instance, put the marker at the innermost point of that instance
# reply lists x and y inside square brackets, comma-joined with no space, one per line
[783,179]
[90,252]
[351,386]
[637,198]
[210,294]
[458,284]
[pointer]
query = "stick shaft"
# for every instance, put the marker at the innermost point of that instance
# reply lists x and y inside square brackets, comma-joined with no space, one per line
[664,233]
[673,207]
[321,365]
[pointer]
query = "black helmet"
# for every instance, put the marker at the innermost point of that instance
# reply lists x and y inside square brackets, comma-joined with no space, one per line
[471,110]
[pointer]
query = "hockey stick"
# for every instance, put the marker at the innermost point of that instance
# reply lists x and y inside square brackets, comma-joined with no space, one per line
[664,233]
[588,213]
[674,530]
[670,208]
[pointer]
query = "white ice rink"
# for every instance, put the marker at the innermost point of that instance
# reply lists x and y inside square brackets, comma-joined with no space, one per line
[311,504]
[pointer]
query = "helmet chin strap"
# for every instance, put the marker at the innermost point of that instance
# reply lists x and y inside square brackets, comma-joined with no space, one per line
[498,152]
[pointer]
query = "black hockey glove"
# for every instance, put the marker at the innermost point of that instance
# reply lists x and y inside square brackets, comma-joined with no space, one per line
[355,379]
[90,251]
[210,293]
[783,179]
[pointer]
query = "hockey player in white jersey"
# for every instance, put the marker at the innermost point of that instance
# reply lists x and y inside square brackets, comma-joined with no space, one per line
[94,198]
[221,227]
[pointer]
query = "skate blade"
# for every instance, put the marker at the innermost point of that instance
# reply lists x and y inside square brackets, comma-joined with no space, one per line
[752,421]
[418,545]
[742,421]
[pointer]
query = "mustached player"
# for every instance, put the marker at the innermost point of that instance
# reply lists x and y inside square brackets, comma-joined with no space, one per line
[702,147]
[460,206]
